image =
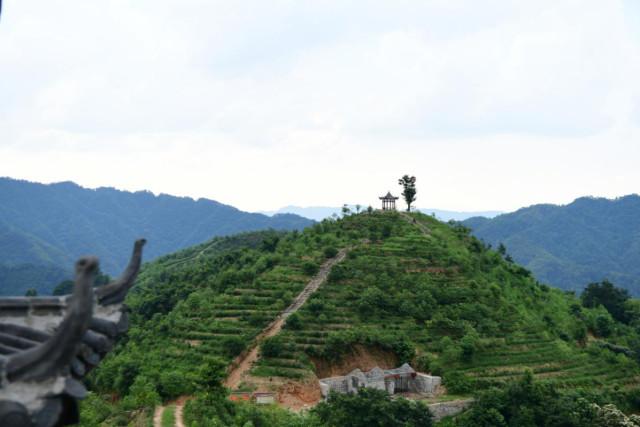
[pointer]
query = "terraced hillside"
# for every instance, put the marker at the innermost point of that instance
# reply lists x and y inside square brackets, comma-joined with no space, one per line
[410,289]
[205,305]
[469,316]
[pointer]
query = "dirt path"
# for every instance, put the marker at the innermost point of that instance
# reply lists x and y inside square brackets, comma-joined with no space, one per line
[157,416]
[425,230]
[242,364]
[192,257]
[179,410]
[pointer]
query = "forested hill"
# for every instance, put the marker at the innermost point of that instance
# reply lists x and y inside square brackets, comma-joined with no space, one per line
[44,228]
[410,289]
[570,246]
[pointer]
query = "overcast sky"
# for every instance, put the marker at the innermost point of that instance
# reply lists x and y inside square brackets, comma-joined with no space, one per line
[261,104]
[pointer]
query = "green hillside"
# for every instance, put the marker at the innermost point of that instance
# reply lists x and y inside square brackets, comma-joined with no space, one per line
[410,289]
[569,246]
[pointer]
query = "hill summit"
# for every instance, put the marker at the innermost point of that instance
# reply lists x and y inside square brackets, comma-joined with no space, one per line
[399,288]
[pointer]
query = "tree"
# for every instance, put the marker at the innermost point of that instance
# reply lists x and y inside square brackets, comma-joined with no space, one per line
[608,296]
[270,243]
[210,376]
[408,183]
[345,210]
[31,292]
[469,345]
[330,252]
[603,325]
[502,249]
[142,394]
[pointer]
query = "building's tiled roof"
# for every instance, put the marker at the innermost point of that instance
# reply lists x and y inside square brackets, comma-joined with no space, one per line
[48,344]
[404,369]
[375,373]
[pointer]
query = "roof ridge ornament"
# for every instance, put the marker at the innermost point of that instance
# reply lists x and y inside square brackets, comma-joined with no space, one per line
[49,358]
[48,345]
[116,291]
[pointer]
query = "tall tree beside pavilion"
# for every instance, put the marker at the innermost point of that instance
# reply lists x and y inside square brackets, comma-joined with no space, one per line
[409,184]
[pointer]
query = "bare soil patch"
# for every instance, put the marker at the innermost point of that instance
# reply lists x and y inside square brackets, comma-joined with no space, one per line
[363,358]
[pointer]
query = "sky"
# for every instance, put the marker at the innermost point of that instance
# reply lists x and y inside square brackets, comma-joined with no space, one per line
[492,105]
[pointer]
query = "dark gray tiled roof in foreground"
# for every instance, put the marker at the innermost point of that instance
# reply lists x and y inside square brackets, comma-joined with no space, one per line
[48,344]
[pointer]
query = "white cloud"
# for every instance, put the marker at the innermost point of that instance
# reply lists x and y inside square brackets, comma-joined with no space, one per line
[267,103]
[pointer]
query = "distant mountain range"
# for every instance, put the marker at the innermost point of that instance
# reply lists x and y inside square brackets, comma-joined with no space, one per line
[44,228]
[570,246]
[318,213]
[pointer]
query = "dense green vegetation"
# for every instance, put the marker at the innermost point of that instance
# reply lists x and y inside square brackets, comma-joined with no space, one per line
[372,408]
[526,403]
[369,408]
[589,240]
[418,289]
[45,228]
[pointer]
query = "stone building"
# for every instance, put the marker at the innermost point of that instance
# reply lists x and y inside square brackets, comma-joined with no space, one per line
[399,380]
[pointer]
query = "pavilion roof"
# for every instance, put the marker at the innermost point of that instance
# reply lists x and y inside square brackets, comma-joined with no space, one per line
[389,196]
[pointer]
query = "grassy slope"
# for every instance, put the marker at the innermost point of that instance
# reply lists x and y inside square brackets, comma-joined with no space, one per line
[468,314]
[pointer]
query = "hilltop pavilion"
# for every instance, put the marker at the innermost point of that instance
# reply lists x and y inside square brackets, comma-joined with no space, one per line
[388,202]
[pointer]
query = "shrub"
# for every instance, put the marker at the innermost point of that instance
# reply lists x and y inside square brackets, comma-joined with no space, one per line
[579,333]
[171,384]
[294,322]
[273,347]
[330,252]
[233,345]
[458,383]
[310,268]
[142,394]
[603,325]
[374,302]
[469,345]
[315,306]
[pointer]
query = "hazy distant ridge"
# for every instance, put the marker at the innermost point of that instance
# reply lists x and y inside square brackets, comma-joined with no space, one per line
[44,228]
[569,246]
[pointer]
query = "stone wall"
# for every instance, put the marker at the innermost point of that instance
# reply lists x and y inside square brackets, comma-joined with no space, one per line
[447,409]
[403,378]
[425,384]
